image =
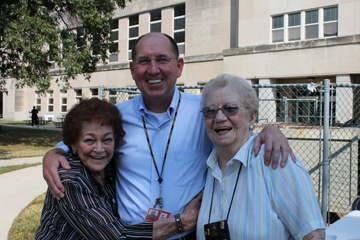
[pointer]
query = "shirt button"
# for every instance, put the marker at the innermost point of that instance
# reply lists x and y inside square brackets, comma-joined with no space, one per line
[157,154]
[158,129]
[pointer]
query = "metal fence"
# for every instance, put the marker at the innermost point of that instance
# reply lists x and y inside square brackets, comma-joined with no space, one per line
[322,123]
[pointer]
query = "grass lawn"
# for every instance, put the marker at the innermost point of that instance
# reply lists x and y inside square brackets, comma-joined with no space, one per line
[28,221]
[26,142]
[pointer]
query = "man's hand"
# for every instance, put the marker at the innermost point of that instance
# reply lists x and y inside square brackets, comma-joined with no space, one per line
[275,143]
[165,228]
[52,160]
[190,215]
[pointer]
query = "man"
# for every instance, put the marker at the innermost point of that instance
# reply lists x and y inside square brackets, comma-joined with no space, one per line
[161,162]
[34,117]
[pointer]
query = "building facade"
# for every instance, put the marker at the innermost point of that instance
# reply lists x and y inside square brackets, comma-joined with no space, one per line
[265,41]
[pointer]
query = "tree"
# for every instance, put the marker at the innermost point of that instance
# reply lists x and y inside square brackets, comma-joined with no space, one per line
[34,34]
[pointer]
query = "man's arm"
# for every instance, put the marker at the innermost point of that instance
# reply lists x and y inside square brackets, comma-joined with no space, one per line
[52,160]
[275,143]
[163,229]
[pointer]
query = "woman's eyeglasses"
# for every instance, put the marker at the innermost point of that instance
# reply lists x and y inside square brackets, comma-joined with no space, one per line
[227,109]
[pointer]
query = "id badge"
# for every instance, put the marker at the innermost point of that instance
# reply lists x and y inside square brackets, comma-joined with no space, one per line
[217,231]
[155,214]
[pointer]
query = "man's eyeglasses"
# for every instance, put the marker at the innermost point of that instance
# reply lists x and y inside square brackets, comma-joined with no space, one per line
[161,60]
[227,109]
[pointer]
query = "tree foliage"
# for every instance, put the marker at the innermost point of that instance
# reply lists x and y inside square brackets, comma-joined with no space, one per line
[34,34]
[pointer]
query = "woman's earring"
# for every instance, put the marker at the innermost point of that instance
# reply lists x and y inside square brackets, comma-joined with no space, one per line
[75,152]
[251,127]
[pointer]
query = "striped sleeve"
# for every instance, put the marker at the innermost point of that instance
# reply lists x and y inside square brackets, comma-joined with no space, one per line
[93,218]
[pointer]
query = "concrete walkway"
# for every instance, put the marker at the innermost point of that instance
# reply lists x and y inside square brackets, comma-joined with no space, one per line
[17,190]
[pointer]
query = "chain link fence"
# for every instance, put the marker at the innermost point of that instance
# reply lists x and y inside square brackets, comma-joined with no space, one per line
[298,111]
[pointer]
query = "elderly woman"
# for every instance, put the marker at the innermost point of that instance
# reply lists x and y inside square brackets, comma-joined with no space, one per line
[93,129]
[244,199]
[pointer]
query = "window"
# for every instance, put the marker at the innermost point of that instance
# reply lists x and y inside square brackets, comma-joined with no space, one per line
[114,47]
[330,22]
[179,27]
[155,21]
[312,24]
[64,104]
[78,94]
[94,91]
[278,29]
[50,100]
[133,32]
[305,25]
[294,26]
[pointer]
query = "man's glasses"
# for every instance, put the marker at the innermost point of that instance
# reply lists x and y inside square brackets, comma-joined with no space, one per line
[161,60]
[228,110]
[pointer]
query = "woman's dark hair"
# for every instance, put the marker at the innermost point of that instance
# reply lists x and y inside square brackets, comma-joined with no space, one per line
[89,110]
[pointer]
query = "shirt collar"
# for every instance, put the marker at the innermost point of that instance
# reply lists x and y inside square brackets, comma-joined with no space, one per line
[171,109]
[242,155]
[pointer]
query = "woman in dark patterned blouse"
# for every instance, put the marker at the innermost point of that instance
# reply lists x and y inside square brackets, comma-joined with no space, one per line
[93,129]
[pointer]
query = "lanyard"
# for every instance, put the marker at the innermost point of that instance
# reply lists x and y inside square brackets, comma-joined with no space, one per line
[159,199]
[232,198]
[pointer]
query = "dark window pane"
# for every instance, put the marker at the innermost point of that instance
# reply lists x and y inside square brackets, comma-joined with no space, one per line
[312,17]
[133,32]
[155,15]
[155,27]
[294,19]
[278,22]
[131,42]
[114,24]
[330,14]
[134,20]
[114,35]
[179,23]
[179,37]
[179,10]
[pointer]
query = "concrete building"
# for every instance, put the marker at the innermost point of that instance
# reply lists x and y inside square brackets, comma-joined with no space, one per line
[265,41]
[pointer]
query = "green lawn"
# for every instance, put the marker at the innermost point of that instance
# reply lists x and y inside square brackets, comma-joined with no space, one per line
[26,142]
[17,142]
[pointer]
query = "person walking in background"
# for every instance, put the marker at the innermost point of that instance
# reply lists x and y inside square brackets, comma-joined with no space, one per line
[34,117]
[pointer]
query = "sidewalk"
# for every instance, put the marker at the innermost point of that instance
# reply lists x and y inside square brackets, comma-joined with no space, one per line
[17,190]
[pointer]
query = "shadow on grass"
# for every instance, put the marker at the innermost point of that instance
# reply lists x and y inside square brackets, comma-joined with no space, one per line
[28,136]
[26,140]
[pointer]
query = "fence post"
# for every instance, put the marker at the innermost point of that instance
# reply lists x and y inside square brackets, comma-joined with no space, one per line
[102,92]
[326,169]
